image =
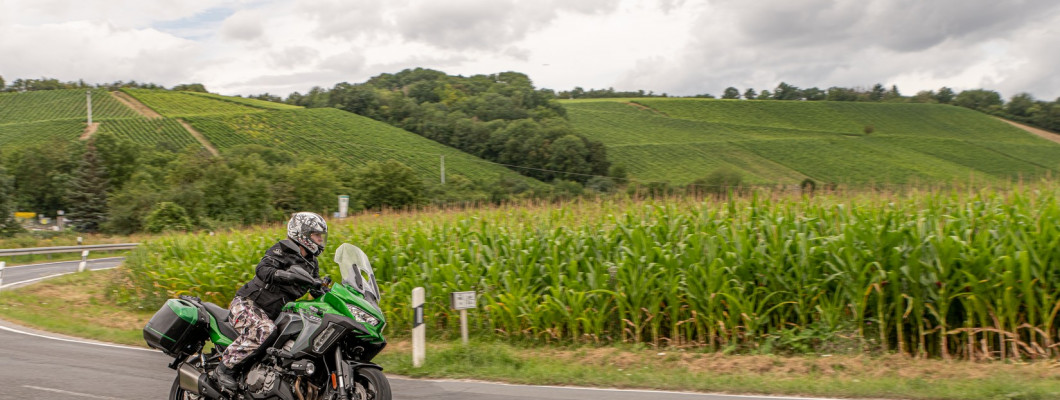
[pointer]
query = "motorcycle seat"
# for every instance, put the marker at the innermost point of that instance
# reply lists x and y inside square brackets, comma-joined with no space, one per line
[221,315]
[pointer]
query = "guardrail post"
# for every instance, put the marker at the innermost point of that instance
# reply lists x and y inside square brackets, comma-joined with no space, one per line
[2,265]
[419,331]
[84,260]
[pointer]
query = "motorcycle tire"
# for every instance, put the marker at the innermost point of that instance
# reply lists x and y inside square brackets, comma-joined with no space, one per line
[371,385]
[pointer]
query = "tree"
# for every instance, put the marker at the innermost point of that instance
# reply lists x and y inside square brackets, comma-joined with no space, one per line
[3,84]
[190,87]
[924,96]
[814,94]
[765,95]
[877,92]
[8,225]
[750,94]
[129,207]
[836,93]
[979,99]
[87,193]
[945,95]
[721,181]
[785,91]
[1020,105]
[731,93]
[390,184]
[168,216]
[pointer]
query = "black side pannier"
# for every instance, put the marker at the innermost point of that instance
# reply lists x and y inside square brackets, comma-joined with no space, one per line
[177,327]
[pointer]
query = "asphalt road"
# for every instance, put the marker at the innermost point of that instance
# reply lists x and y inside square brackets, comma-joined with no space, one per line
[41,365]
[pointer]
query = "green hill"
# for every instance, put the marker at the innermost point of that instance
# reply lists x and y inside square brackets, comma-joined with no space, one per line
[349,137]
[38,117]
[680,140]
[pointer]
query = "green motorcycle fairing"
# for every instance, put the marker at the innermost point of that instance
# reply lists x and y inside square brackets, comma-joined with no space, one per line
[337,301]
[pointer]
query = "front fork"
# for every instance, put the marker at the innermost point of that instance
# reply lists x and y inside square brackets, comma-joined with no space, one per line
[347,371]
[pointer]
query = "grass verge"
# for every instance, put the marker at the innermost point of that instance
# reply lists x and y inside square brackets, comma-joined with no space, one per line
[76,305]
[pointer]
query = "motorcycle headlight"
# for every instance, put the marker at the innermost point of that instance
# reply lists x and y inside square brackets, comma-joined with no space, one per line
[362,316]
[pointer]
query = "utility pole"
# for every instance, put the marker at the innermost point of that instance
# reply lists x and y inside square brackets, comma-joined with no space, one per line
[88,94]
[443,168]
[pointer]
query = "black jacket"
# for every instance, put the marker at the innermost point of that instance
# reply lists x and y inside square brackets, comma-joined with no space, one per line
[271,296]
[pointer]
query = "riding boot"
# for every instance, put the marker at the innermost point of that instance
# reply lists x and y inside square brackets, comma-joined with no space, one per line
[223,376]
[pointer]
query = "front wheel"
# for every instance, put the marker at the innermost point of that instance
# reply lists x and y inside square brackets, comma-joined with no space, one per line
[371,384]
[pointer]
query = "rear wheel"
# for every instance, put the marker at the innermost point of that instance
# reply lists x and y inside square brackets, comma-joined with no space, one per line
[371,384]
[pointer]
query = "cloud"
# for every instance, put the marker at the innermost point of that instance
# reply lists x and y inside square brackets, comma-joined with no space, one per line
[838,43]
[243,25]
[485,25]
[95,52]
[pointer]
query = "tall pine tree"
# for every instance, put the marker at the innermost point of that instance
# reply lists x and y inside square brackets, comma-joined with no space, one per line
[87,193]
[8,225]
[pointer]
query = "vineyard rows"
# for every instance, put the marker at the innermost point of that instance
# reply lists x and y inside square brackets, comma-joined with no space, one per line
[681,140]
[59,104]
[184,104]
[354,139]
[162,133]
[32,133]
[247,102]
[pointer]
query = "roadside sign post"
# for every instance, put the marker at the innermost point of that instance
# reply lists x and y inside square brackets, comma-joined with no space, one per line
[84,261]
[2,265]
[419,333]
[344,206]
[462,301]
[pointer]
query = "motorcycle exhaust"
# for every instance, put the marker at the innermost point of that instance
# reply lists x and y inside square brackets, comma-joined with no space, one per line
[196,382]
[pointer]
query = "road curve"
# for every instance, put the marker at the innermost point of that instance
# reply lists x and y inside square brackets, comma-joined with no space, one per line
[42,365]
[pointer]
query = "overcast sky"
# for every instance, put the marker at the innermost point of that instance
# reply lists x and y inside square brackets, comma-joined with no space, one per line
[680,47]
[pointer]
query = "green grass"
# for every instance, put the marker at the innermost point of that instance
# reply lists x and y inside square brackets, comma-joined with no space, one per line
[184,104]
[348,137]
[680,140]
[47,105]
[76,305]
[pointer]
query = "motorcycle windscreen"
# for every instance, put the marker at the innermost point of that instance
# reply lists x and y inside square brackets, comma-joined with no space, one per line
[357,271]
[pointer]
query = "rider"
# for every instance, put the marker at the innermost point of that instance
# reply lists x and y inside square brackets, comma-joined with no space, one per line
[275,283]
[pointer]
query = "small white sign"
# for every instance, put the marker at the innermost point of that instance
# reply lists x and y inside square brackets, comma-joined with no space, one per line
[462,300]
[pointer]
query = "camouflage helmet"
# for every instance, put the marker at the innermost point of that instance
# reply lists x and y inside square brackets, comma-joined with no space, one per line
[303,224]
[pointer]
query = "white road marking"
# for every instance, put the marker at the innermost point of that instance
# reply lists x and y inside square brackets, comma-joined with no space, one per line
[91,260]
[33,280]
[13,330]
[47,277]
[91,396]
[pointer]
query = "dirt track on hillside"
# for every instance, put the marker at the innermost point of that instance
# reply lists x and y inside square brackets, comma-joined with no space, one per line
[136,105]
[1044,134]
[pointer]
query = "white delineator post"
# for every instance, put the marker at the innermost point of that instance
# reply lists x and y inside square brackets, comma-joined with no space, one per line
[419,331]
[2,265]
[84,260]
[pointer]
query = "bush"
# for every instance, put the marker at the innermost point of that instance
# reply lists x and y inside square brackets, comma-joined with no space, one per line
[721,181]
[168,216]
[869,129]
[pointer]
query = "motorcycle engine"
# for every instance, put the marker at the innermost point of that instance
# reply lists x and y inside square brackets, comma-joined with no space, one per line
[262,379]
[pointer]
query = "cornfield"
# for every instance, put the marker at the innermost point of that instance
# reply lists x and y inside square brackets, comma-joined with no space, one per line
[966,274]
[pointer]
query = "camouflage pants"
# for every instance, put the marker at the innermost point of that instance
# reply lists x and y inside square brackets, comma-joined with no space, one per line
[253,327]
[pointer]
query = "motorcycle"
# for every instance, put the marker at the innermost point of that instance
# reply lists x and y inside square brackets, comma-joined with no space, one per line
[322,349]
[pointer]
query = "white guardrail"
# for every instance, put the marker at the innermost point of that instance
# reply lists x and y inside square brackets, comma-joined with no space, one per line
[66,249]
